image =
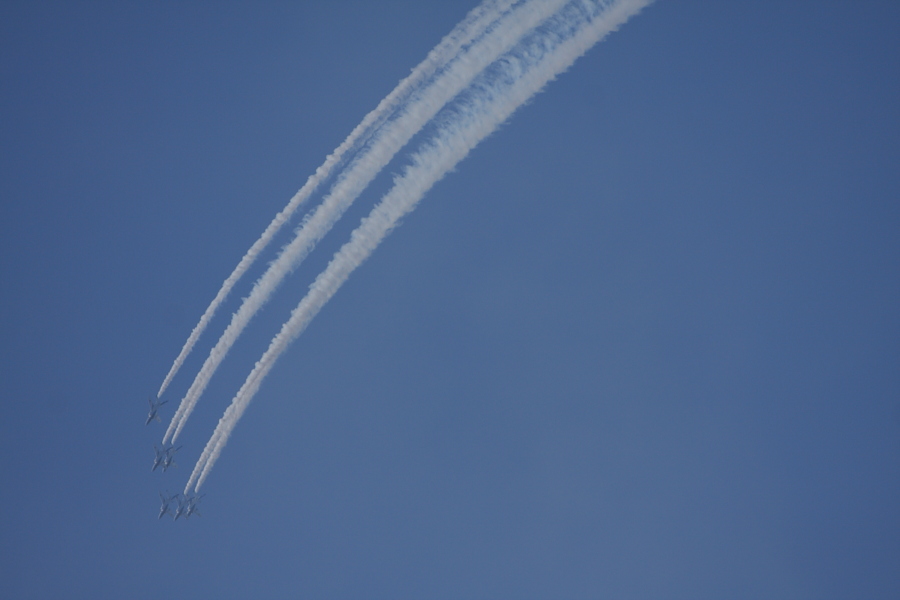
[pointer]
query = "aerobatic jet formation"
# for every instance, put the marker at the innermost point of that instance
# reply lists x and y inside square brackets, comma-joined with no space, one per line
[494,60]
[165,458]
[187,506]
[154,408]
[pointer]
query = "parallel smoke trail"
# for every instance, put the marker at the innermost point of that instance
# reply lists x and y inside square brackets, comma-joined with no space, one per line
[468,29]
[519,76]
[383,145]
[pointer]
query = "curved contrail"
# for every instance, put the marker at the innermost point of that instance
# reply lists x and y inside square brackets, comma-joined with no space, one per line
[384,143]
[509,83]
[468,29]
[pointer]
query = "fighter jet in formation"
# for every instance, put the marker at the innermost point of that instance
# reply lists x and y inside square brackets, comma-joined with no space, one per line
[160,458]
[166,502]
[165,457]
[170,457]
[192,506]
[154,407]
[182,506]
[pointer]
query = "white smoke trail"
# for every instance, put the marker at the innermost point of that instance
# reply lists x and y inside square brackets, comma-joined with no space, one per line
[519,76]
[474,25]
[383,145]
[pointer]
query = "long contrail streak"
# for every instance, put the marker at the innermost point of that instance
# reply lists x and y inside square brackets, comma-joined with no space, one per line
[518,76]
[422,106]
[468,29]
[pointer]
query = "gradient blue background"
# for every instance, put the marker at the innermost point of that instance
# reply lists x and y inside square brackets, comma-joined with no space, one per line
[642,343]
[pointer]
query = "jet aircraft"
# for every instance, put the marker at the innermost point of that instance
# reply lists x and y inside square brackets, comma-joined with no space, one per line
[182,506]
[161,457]
[192,506]
[166,501]
[170,457]
[154,407]
[165,457]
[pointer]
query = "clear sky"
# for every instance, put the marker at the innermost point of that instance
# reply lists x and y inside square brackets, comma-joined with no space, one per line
[644,342]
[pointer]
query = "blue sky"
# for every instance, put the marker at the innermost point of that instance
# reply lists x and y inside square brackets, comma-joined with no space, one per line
[642,342]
